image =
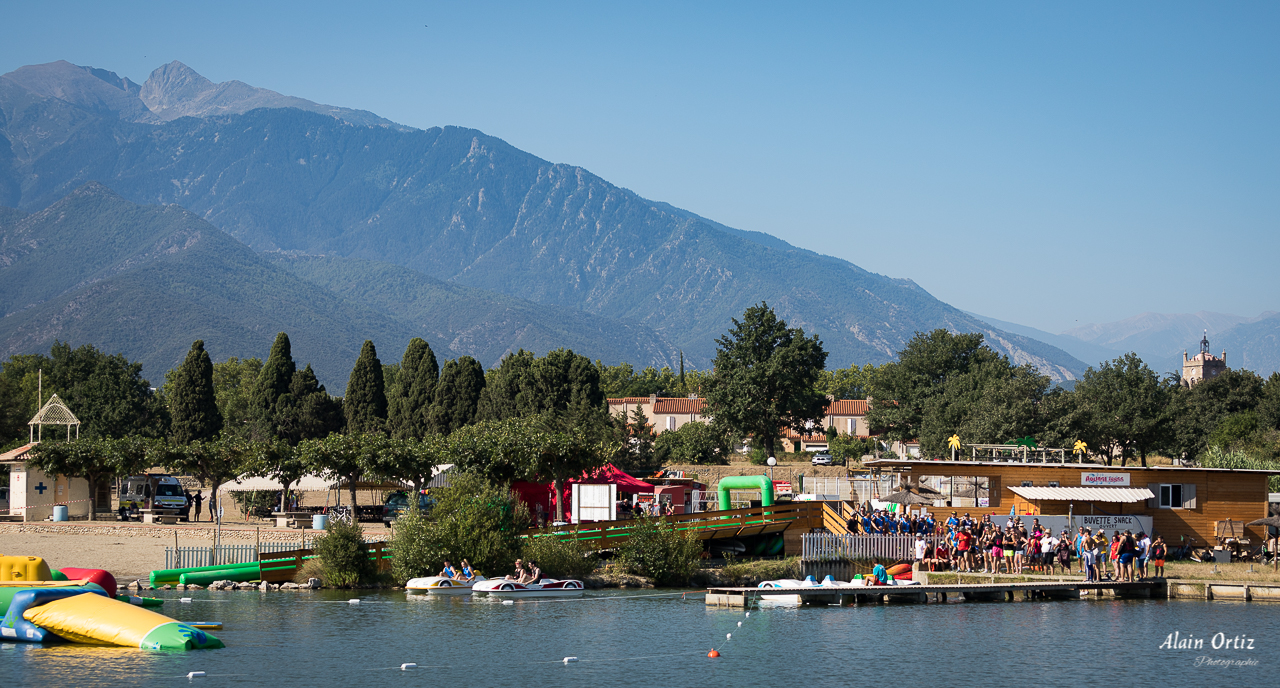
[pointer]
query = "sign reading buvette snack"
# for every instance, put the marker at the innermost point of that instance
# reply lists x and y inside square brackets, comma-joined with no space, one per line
[1105,479]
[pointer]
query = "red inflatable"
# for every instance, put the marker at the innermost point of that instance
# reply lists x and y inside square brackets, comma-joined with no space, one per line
[103,578]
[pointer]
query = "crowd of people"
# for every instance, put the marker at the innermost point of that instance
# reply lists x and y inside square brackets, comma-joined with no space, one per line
[962,543]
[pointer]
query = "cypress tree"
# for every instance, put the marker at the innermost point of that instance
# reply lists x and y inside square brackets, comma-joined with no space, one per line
[409,400]
[272,383]
[508,391]
[192,405]
[308,411]
[457,395]
[365,405]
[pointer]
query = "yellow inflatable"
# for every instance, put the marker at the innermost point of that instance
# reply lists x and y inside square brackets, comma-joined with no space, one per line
[14,568]
[99,620]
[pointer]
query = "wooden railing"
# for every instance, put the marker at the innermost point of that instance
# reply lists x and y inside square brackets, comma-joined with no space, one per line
[705,525]
[281,567]
[830,547]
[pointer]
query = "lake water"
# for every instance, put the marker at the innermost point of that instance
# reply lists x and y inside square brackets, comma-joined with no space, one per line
[318,639]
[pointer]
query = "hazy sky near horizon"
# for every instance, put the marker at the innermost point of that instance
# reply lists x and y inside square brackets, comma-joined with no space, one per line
[1046,164]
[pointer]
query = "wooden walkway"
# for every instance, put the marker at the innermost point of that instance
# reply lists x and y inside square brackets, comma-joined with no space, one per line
[923,594]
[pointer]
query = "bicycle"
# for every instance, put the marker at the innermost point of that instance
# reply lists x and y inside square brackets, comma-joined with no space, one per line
[339,513]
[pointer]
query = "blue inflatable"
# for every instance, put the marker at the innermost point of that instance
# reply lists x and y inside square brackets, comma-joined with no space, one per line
[14,627]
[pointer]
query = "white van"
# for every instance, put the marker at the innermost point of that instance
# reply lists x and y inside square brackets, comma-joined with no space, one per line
[156,491]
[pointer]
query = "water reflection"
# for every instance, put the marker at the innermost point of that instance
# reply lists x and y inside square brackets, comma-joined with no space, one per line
[317,638]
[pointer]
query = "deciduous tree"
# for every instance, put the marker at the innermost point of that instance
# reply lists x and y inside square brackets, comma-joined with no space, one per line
[765,378]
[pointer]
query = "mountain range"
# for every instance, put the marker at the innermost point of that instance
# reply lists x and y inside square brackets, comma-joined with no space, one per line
[415,228]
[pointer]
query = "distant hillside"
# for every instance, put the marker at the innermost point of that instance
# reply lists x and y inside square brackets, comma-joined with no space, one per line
[1091,354]
[146,281]
[481,324]
[468,209]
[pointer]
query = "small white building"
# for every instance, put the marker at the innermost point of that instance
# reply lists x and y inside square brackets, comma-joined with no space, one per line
[32,493]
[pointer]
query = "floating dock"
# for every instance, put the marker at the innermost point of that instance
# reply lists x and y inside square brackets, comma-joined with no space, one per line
[935,593]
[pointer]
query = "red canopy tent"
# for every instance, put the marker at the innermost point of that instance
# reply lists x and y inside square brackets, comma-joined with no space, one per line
[534,494]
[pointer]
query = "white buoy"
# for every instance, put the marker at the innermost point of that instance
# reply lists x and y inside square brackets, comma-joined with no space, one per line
[185,600]
[739,624]
[508,601]
[728,636]
[195,674]
[355,601]
[748,613]
[570,659]
[407,666]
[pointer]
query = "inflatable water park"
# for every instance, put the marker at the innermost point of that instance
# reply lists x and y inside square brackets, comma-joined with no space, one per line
[75,605]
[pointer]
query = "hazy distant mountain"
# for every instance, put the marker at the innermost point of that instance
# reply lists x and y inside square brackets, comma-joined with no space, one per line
[465,208]
[1254,345]
[1091,354]
[172,91]
[1160,338]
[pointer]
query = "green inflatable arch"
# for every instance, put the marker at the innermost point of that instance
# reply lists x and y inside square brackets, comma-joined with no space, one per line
[745,482]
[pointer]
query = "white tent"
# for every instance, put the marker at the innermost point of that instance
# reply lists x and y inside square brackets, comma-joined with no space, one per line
[308,483]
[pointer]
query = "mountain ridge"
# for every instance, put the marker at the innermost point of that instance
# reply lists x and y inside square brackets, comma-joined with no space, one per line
[468,208]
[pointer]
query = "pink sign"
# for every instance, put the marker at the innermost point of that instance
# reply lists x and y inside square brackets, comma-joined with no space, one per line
[1105,479]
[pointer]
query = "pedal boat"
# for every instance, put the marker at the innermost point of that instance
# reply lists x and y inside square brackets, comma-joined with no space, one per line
[439,585]
[510,590]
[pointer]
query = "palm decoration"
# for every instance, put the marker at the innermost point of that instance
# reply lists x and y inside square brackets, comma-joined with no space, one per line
[1080,448]
[954,443]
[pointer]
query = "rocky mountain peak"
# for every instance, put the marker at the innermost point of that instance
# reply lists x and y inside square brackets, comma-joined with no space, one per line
[174,85]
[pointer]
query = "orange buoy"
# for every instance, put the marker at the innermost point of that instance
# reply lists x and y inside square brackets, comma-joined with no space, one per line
[713,653]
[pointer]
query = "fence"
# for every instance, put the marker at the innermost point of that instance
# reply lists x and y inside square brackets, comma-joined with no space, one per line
[829,547]
[190,557]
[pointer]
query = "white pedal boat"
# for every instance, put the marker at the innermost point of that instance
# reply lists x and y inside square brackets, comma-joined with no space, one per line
[439,585]
[547,587]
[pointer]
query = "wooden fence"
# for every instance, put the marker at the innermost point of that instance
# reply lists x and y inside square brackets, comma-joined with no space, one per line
[830,547]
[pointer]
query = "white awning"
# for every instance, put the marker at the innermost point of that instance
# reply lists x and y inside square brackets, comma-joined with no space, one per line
[308,483]
[1127,495]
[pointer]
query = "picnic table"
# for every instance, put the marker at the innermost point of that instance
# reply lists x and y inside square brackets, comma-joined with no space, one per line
[292,519]
[163,516]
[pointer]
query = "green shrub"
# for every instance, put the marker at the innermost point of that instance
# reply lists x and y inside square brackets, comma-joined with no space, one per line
[659,551]
[472,519]
[748,572]
[343,562]
[560,558]
[412,555]
[759,456]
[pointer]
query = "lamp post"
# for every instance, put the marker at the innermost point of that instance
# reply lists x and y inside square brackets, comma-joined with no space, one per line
[772,462]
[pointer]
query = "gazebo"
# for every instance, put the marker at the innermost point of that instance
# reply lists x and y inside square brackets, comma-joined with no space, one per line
[54,412]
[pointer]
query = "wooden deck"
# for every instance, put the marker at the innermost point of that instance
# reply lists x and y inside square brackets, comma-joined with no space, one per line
[708,525]
[923,594]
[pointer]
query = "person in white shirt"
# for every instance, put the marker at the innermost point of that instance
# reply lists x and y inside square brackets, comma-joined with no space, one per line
[1048,547]
[921,546]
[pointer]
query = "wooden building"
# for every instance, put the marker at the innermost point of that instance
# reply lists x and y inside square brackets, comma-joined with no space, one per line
[1180,501]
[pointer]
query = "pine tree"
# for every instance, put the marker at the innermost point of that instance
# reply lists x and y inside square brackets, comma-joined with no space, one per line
[365,405]
[409,400]
[457,395]
[192,404]
[272,383]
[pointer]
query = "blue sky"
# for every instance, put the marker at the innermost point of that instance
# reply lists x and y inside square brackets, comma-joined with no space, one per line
[1046,164]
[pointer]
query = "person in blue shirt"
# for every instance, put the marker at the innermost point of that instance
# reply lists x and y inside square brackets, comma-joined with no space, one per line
[931,526]
[953,522]
[904,526]
[448,571]
[868,527]
[467,574]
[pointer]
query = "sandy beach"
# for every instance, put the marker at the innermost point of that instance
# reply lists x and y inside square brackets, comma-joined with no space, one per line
[131,551]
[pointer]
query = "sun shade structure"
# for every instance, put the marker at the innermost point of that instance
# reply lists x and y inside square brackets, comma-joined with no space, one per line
[54,412]
[1126,495]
